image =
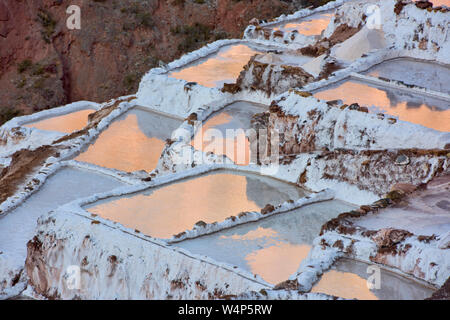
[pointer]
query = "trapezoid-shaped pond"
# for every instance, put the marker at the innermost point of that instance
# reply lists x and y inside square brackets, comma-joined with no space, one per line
[428,75]
[429,112]
[134,141]
[170,209]
[309,26]
[68,184]
[66,123]
[351,279]
[224,132]
[273,247]
[218,68]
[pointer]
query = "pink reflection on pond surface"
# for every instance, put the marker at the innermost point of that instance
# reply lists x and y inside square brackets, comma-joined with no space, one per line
[429,112]
[168,210]
[132,142]
[309,26]
[217,69]
[67,123]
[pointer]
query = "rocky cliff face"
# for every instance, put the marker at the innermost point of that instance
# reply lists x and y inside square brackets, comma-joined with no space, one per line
[43,64]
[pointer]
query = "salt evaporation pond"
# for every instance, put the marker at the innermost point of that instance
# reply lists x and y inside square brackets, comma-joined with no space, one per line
[437,3]
[67,123]
[224,132]
[423,74]
[348,279]
[219,68]
[429,112]
[168,210]
[273,247]
[66,185]
[134,141]
[308,26]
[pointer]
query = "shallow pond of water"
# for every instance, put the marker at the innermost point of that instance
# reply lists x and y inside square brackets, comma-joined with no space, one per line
[168,210]
[67,123]
[423,110]
[217,69]
[273,247]
[68,184]
[348,279]
[308,26]
[134,141]
[423,74]
[224,132]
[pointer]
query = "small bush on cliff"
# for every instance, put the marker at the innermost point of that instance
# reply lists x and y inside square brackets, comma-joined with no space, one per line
[7,113]
[24,65]
[193,36]
[48,24]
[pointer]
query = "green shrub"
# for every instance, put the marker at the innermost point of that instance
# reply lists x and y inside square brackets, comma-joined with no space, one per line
[24,65]
[7,113]
[48,24]
[194,36]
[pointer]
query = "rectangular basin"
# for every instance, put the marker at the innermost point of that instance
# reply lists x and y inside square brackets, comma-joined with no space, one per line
[132,142]
[428,75]
[67,123]
[218,68]
[348,279]
[273,247]
[223,133]
[168,210]
[429,112]
[309,26]
[68,184]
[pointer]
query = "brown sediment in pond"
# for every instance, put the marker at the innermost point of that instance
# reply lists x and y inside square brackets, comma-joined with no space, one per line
[23,163]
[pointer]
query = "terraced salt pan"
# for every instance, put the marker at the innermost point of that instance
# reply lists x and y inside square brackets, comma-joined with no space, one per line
[68,184]
[217,69]
[168,210]
[423,74]
[348,279]
[273,247]
[224,132]
[308,26]
[426,111]
[132,142]
[427,212]
[67,123]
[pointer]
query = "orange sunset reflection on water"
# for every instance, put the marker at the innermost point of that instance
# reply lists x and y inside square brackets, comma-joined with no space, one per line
[67,123]
[266,260]
[309,26]
[437,3]
[278,262]
[429,116]
[233,144]
[125,146]
[222,67]
[345,285]
[166,211]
